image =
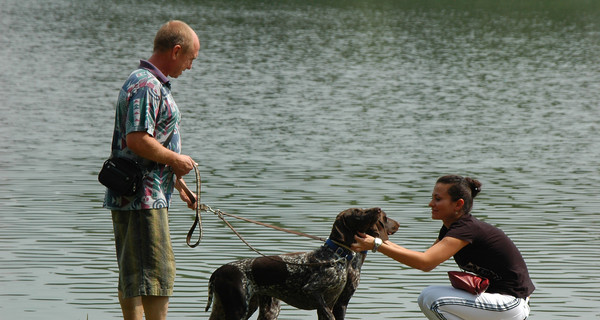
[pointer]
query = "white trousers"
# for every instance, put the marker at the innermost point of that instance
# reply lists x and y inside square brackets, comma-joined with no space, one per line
[448,303]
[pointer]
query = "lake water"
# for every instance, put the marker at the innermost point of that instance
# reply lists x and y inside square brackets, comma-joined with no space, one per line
[297,110]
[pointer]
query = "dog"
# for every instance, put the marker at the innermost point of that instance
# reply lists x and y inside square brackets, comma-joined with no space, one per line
[324,279]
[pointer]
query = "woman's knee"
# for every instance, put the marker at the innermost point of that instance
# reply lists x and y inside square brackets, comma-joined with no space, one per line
[429,295]
[427,300]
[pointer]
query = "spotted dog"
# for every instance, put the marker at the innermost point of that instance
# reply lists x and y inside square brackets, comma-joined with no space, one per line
[324,279]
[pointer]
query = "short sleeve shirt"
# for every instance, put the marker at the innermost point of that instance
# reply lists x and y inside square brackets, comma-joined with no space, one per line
[490,254]
[146,104]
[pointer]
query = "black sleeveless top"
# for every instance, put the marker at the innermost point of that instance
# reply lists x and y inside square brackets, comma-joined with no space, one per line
[490,254]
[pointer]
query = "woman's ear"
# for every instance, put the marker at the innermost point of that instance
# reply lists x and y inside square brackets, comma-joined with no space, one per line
[459,205]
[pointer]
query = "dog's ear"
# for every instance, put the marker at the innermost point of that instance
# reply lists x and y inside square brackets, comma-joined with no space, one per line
[355,218]
[374,228]
[363,220]
[347,223]
[351,221]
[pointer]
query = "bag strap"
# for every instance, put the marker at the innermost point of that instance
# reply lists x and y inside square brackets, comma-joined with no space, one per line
[166,143]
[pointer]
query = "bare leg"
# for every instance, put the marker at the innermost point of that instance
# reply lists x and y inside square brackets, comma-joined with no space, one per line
[132,308]
[155,307]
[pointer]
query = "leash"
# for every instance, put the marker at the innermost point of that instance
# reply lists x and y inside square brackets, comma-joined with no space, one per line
[202,207]
[198,219]
[219,213]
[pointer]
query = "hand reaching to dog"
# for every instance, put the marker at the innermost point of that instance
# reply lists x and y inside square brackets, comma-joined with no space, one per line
[363,242]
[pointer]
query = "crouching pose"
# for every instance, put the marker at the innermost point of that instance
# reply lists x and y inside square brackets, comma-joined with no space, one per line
[477,247]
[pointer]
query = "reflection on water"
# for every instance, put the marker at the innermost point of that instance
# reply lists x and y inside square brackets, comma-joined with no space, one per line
[297,111]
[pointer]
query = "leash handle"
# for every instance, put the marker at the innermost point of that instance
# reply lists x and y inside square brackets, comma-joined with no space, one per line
[198,218]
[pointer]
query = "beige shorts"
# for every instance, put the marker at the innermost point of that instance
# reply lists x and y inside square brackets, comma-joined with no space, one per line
[144,252]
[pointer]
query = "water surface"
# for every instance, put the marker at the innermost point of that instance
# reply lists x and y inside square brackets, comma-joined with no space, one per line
[296,111]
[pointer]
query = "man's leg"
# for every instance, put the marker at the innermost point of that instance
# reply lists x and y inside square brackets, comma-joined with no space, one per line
[132,308]
[155,307]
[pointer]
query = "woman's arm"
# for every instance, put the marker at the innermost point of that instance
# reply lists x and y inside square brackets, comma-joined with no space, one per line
[439,252]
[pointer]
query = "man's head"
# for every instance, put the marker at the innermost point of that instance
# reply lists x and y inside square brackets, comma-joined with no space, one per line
[177,45]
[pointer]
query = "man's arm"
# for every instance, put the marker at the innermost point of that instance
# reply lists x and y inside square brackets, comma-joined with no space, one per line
[145,146]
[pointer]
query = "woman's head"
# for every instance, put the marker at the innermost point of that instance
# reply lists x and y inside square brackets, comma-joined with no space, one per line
[463,188]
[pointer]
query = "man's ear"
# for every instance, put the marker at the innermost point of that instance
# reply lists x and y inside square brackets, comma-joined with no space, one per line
[176,51]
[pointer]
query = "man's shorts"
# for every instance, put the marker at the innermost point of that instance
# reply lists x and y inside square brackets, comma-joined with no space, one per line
[144,252]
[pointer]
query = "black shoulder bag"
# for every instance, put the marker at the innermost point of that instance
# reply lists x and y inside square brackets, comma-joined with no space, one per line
[123,175]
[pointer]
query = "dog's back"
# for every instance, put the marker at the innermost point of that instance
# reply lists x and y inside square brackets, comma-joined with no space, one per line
[236,289]
[324,279]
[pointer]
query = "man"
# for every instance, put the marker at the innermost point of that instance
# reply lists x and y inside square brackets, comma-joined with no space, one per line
[147,130]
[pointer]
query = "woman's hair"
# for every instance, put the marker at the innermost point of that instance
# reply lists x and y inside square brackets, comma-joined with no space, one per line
[173,33]
[462,188]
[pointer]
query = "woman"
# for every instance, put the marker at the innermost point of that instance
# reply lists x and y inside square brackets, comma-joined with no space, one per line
[476,246]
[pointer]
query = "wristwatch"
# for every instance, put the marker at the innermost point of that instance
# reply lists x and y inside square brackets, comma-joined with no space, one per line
[376,244]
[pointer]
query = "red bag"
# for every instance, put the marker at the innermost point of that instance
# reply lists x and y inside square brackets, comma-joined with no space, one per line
[468,282]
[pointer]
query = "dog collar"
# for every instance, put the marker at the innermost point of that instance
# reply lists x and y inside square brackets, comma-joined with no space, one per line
[340,250]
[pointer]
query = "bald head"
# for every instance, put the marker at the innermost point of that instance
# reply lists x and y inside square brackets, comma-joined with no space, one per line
[174,33]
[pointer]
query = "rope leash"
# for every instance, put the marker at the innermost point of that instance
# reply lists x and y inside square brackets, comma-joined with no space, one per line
[221,214]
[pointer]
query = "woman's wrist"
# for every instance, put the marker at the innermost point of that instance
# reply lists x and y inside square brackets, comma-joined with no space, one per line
[376,243]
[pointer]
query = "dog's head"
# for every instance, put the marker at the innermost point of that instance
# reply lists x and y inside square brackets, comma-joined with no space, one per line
[372,221]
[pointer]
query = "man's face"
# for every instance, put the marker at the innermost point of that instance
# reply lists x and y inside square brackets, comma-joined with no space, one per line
[184,59]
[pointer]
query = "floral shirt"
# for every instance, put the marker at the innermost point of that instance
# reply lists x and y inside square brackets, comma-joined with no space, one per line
[145,104]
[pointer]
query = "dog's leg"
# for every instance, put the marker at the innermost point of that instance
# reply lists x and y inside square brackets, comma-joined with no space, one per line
[339,311]
[230,301]
[269,308]
[323,311]
[353,279]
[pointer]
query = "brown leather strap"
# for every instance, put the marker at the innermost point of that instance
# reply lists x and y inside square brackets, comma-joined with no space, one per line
[188,238]
[198,218]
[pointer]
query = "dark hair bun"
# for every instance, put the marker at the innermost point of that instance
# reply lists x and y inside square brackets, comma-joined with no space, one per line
[475,186]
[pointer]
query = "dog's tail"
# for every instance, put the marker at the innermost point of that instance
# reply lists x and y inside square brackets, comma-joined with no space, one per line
[210,293]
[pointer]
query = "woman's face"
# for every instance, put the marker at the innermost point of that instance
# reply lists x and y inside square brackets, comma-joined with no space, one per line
[442,206]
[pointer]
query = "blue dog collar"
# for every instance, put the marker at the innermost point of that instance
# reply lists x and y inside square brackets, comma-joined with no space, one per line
[340,251]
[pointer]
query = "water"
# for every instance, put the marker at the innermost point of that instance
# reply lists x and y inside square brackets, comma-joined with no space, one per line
[296,111]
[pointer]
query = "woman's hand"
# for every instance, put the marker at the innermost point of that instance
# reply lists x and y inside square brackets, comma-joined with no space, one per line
[363,242]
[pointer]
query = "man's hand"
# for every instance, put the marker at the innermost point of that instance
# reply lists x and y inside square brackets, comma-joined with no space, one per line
[182,165]
[186,195]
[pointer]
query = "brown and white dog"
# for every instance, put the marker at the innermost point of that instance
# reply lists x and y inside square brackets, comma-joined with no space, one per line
[324,279]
